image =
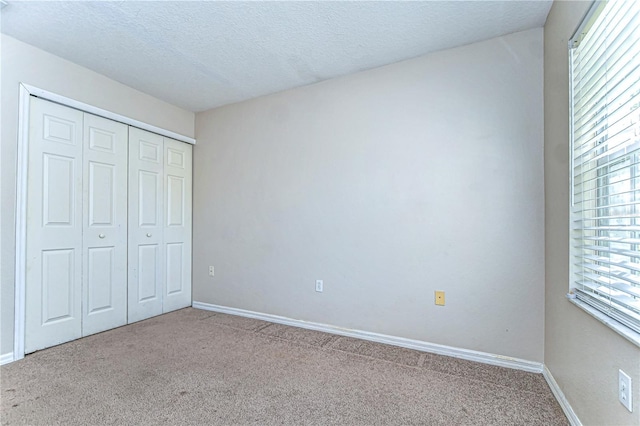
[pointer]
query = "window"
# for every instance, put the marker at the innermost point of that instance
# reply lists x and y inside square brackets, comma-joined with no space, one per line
[605,146]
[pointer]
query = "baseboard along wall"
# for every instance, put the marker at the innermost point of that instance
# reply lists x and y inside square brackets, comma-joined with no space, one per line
[483,357]
[562,400]
[6,358]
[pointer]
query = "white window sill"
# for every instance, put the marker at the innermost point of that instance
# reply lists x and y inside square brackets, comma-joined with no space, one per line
[621,329]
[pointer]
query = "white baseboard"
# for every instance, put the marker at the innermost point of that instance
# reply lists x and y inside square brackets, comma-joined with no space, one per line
[562,400]
[6,358]
[483,357]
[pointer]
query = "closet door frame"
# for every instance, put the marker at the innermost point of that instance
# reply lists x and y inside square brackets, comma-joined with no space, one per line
[26,91]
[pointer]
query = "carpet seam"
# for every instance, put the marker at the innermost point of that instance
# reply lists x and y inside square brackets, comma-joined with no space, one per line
[477,381]
[326,346]
[258,330]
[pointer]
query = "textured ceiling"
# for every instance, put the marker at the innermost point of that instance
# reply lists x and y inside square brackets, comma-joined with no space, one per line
[203,54]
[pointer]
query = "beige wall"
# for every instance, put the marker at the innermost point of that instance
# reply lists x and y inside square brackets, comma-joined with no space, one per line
[24,63]
[388,184]
[582,354]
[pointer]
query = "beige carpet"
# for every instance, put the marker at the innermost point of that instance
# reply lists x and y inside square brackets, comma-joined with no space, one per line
[197,367]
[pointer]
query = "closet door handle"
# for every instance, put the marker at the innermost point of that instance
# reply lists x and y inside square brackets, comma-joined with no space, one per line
[148,234]
[101,235]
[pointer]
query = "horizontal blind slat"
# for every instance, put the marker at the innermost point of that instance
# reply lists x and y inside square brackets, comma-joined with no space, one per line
[615,296]
[629,149]
[618,285]
[588,132]
[594,38]
[631,266]
[588,90]
[612,59]
[601,303]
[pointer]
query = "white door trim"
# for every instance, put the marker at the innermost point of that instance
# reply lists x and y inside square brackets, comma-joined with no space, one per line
[26,91]
[21,224]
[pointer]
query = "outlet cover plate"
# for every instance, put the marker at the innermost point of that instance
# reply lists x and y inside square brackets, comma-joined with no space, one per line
[624,390]
[319,286]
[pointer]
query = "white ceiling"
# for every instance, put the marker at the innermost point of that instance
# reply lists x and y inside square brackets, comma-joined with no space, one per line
[203,54]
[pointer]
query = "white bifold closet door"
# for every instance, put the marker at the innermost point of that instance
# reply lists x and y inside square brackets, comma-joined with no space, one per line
[177,224]
[76,225]
[159,224]
[104,290]
[146,277]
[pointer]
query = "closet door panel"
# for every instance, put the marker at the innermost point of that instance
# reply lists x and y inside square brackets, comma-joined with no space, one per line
[177,224]
[148,266]
[105,224]
[54,226]
[100,273]
[58,285]
[146,216]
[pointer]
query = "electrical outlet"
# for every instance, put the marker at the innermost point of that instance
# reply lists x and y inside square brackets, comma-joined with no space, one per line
[624,390]
[211,271]
[440,298]
[319,286]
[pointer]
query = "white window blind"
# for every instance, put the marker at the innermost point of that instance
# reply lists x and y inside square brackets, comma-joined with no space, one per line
[605,101]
